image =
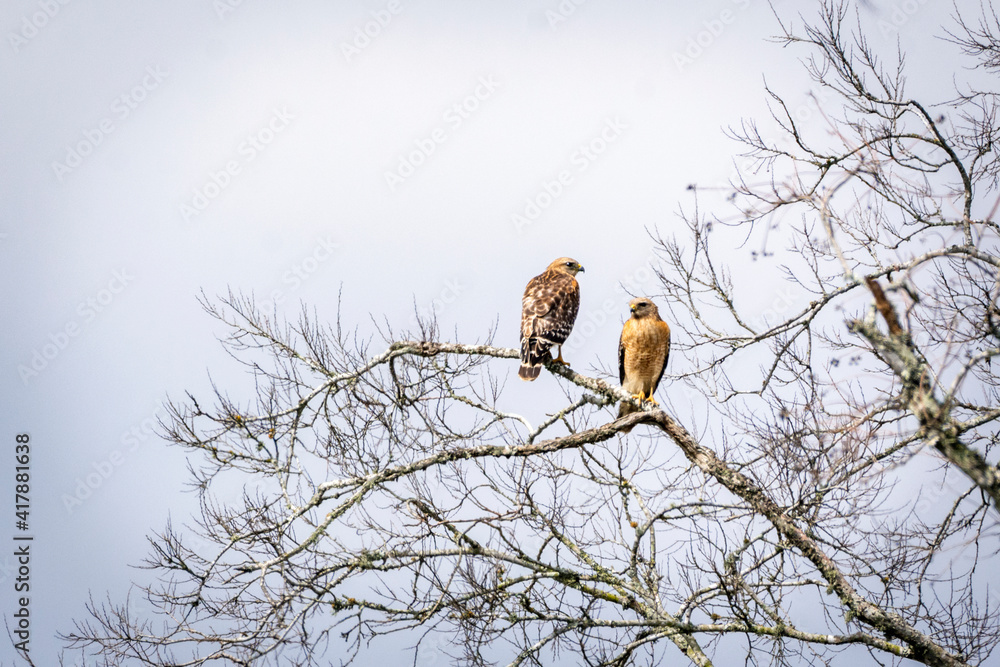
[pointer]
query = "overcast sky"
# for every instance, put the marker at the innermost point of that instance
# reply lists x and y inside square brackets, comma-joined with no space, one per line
[404,152]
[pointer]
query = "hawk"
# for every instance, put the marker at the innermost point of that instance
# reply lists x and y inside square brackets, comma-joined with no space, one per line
[548,310]
[642,352]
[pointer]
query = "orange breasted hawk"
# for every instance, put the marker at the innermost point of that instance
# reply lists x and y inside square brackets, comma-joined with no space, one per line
[643,350]
[548,310]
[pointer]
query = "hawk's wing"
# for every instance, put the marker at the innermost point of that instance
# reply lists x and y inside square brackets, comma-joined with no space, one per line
[549,307]
[621,352]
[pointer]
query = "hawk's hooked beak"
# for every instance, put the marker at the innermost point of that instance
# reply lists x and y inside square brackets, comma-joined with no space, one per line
[581,270]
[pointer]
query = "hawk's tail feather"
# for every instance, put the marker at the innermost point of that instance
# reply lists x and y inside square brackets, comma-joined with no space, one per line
[529,373]
[534,353]
[624,410]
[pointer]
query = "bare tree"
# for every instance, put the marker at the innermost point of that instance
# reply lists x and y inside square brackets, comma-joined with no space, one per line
[840,499]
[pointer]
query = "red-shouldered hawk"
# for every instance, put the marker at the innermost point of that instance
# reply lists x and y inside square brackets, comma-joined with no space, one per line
[643,350]
[548,311]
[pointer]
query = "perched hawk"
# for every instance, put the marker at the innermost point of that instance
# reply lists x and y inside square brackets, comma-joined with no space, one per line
[548,311]
[642,352]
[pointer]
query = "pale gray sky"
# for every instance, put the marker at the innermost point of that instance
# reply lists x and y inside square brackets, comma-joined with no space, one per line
[153,150]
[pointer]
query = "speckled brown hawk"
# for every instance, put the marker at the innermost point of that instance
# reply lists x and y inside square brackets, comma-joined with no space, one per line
[643,350]
[548,310]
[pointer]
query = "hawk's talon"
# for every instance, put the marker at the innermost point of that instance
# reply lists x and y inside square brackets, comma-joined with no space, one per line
[641,397]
